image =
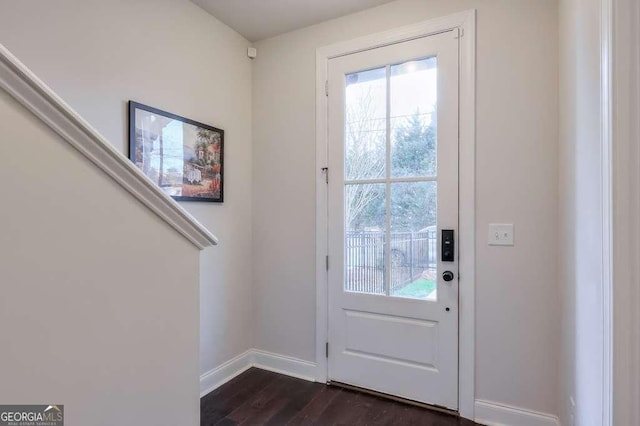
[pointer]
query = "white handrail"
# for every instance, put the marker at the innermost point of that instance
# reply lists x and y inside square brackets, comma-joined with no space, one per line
[17,80]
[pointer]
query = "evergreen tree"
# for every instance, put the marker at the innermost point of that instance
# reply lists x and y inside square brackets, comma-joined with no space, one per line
[413,147]
[413,205]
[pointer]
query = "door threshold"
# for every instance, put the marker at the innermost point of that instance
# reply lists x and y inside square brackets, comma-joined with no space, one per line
[432,407]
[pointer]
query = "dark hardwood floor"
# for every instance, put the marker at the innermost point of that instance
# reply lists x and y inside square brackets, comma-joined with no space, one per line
[259,397]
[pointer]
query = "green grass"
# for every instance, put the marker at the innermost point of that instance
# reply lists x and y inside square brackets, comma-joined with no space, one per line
[419,289]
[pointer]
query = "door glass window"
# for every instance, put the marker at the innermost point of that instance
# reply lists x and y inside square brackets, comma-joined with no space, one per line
[391,180]
[365,124]
[365,215]
[413,95]
[413,239]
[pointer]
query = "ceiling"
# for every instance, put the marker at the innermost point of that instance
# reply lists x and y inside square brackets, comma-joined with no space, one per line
[260,19]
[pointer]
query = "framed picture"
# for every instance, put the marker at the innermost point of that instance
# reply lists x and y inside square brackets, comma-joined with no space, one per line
[184,157]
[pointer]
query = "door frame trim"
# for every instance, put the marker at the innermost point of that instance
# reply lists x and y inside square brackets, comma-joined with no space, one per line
[606,148]
[466,22]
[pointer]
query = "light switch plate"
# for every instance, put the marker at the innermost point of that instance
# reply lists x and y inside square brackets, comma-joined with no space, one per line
[501,234]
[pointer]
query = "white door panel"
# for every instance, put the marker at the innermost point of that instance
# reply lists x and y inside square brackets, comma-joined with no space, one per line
[407,340]
[393,161]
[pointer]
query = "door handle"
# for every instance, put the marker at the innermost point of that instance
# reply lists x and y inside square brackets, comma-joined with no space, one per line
[447,276]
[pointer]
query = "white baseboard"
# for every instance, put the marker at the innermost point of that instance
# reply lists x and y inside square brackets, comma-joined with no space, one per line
[264,360]
[282,364]
[220,375]
[494,414]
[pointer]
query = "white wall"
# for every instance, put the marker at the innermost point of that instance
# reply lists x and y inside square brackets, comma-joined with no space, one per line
[90,316]
[517,306]
[580,212]
[172,55]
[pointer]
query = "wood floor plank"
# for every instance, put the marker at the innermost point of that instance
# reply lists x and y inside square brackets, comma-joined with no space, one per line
[232,387]
[226,422]
[236,383]
[380,413]
[310,414]
[259,397]
[300,394]
[414,416]
[262,417]
[218,406]
[278,389]
[345,410]
[271,400]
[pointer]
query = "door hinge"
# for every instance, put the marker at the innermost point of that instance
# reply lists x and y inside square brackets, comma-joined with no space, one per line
[326,350]
[327,262]
[325,170]
[326,87]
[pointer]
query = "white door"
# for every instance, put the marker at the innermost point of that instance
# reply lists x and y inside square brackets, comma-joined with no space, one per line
[393,189]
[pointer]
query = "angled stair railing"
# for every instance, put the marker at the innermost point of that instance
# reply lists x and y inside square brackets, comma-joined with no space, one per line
[17,80]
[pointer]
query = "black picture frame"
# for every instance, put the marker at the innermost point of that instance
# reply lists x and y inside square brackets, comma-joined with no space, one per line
[200,175]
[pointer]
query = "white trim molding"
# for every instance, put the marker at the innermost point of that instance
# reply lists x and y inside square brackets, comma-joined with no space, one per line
[466,22]
[606,150]
[257,358]
[17,80]
[283,364]
[213,379]
[494,414]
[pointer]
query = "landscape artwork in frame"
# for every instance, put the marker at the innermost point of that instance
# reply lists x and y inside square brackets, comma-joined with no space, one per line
[183,157]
